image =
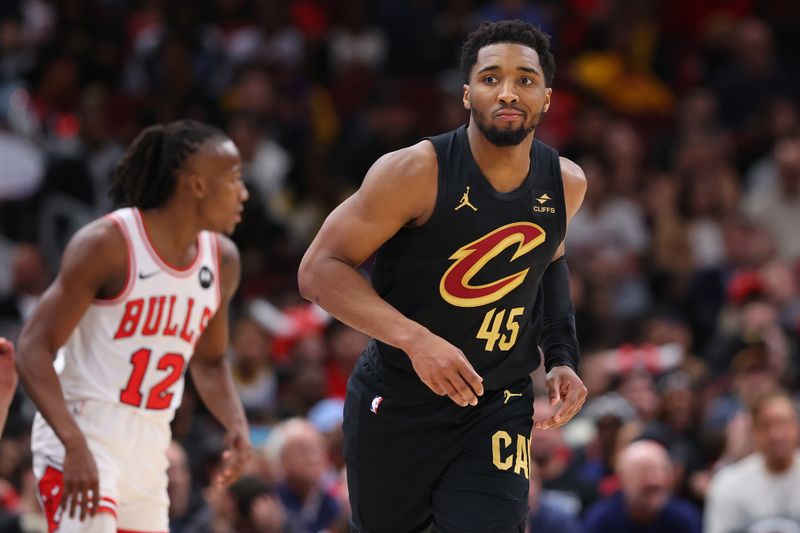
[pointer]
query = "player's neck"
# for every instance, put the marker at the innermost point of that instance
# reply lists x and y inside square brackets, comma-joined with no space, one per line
[506,167]
[171,234]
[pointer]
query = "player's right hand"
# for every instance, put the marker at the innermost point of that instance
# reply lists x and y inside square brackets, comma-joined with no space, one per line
[81,482]
[444,369]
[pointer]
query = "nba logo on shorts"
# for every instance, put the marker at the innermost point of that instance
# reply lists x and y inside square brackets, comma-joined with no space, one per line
[376,402]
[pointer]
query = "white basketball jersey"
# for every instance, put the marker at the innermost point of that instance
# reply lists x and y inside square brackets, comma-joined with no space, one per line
[134,349]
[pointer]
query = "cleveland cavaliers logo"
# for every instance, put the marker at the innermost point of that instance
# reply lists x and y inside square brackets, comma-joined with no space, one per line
[456,287]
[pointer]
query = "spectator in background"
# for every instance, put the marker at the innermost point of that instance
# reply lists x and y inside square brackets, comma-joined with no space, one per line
[754,74]
[777,205]
[345,345]
[355,43]
[556,470]
[327,416]
[764,485]
[609,228]
[638,387]
[188,513]
[610,413]
[253,376]
[257,509]
[546,515]
[645,502]
[299,449]
[23,159]
[94,145]
[29,278]
[677,428]
[752,376]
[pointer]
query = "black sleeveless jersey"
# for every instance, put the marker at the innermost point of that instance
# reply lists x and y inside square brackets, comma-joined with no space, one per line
[472,273]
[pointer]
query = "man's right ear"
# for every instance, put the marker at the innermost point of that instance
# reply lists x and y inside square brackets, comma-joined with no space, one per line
[466,97]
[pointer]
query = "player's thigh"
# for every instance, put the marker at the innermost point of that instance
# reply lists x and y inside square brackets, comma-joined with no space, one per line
[48,458]
[485,489]
[50,485]
[144,503]
[99,523]
[392,466]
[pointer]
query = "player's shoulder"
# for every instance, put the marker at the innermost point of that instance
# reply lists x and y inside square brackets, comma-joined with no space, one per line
[415,163]
[230,265]
[102,236]
[228,251]
[403,181]
[96,250]
[572,174]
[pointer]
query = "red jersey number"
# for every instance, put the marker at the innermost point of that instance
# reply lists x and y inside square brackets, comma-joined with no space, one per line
[159,397]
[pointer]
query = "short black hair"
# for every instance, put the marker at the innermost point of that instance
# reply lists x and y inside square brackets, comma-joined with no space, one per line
[147,173]
[508,31]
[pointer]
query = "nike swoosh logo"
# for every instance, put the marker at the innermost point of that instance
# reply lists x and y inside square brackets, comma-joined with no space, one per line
[142,275]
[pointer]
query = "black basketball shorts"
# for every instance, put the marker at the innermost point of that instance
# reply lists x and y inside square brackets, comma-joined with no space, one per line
[417,462]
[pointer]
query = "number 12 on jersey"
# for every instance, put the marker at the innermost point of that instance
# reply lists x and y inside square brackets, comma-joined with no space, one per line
[490,329]
[159,397]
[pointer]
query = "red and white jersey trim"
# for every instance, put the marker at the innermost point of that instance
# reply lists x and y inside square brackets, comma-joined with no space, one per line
[135,347]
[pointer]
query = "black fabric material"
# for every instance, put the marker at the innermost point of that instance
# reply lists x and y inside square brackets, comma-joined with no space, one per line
[559,341]
[425,273]
[419,462]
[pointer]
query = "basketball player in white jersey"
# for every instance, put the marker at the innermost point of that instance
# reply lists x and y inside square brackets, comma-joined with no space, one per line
[140,292]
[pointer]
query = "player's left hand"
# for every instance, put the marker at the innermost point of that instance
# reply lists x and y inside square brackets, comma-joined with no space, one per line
[566,387]
[238,451]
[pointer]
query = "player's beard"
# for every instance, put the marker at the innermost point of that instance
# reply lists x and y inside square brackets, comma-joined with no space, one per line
[504,137]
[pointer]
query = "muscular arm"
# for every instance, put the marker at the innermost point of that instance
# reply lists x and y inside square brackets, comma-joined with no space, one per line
[211,373]
[399,189]
[559,341]
[574,190]
[95,259]
[94,263]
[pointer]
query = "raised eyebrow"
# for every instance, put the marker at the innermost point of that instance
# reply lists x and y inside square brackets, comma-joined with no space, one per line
[529,70]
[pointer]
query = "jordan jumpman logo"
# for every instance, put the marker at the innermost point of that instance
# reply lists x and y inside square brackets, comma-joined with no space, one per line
[465,201]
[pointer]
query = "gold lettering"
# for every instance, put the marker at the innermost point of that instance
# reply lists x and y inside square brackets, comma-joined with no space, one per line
[540,209]
[502,464]
[522,462]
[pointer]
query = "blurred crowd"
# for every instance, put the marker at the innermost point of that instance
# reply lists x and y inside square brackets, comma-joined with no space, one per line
[685,257]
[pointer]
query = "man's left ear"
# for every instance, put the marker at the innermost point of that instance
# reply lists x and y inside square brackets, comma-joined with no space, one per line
[548,93]
[195,184]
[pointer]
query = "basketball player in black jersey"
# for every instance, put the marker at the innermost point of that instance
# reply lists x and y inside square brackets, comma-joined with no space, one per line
[469,283]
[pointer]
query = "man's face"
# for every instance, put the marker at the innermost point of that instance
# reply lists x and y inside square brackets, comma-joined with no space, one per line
[216,168]
[506,94]
[303,457]
[647,483]
[777,431]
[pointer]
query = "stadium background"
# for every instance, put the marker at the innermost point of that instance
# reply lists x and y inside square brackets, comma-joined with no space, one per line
[685,256]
